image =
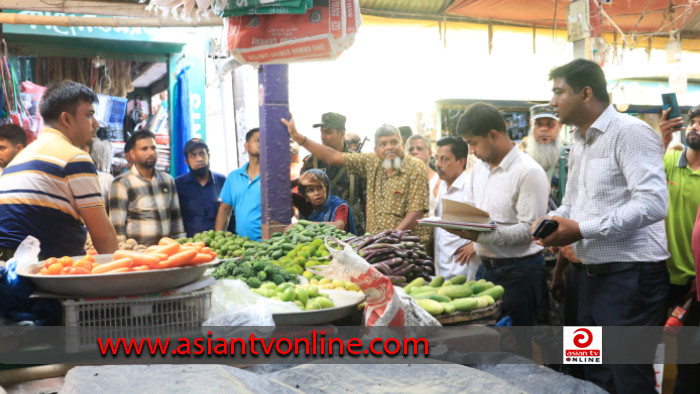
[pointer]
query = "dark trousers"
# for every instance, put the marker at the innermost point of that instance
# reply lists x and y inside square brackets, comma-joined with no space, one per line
[526,298]
[629,298]
[688,376]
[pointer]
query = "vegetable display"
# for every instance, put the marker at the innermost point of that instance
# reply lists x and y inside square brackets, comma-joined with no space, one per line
[224,243]
[307,298]
[167,254]
[253,272]
[396,254]
[446,297]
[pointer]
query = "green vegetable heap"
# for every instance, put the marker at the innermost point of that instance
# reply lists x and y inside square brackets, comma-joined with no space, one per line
[253,272]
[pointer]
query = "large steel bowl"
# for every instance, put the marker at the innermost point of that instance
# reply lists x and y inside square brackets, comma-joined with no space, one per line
[104,285]
[346,303]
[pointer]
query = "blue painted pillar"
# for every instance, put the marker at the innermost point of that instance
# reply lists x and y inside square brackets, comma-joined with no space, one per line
[274,148]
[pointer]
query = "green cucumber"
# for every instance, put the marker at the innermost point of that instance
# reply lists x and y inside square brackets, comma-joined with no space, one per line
[433,307]
[439,298]
[458,280]
[455,291]
[438,281]
[464,304]
[478,287]
[496,292]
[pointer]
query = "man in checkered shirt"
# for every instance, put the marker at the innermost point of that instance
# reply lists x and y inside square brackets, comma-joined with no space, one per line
[143,202]
[613,211]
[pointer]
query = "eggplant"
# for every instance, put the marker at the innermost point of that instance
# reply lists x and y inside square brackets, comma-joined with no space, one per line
[411,239]
[379,257]
[404,271]
[369,253]
[380,245]
[396,279]
[401,266]
[392,262]
[383,268]
[401,253]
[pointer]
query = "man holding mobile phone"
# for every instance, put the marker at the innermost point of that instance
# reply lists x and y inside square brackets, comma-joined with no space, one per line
[683,180]
[613,209]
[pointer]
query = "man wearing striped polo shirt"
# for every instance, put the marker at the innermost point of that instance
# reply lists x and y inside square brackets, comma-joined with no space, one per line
[50,189]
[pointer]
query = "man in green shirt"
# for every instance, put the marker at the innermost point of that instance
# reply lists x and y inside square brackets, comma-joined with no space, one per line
[683,180]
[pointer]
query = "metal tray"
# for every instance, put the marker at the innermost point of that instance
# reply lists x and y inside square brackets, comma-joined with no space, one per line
[104,285]
[346,303]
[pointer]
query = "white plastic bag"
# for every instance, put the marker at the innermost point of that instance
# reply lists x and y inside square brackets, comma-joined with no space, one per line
[384,305]
[233,304]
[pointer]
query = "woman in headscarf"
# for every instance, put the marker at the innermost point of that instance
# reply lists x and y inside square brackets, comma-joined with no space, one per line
[315,187]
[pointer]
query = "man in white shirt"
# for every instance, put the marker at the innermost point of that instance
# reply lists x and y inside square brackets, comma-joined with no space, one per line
[614,208]
[450,250]
[513,189]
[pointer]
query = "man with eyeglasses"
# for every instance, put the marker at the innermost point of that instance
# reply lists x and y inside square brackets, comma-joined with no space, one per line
[397,184]
[199,190]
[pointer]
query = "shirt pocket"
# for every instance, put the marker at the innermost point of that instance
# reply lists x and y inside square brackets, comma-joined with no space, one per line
[601,177]
[395,201]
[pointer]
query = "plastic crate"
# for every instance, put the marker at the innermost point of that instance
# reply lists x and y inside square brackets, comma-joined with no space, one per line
[137,317]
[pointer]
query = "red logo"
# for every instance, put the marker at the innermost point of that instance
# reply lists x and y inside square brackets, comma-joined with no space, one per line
[583,339]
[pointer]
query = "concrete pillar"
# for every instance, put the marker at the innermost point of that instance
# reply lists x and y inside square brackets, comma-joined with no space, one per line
[274,148]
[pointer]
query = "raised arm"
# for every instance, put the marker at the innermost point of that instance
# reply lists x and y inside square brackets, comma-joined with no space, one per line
[322,152]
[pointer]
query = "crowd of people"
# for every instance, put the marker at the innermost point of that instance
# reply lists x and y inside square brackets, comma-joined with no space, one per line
[625,249]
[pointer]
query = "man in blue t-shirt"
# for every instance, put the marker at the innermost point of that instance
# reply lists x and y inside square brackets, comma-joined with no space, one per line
[199,190]
[241,193]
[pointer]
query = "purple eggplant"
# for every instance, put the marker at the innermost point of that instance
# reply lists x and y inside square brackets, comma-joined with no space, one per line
[383,268]
[396,279]
[401,266]
[392,262]
[410,239]
[369,253]
[381,245]
[404,271]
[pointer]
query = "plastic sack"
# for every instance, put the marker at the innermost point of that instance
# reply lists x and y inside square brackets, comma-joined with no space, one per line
[233,304]
[385,306]
[15,290]
[13,286]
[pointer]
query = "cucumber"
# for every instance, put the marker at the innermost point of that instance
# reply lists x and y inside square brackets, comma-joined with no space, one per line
[478,287]
[439,298]
[458,280]
[446,283]
[422,296]
[496,292]
[488,298]
[464,304]
[423,289]
[438,281]
[455,291]
[433,307]
[481,302]
[448,308]
[471,282]
[418,282]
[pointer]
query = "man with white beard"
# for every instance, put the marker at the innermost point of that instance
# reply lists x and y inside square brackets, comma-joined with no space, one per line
[397,184]
[545,145]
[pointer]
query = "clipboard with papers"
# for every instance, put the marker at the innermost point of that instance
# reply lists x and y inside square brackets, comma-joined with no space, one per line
[460,216]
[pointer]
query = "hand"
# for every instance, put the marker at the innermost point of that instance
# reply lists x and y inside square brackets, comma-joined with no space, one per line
[558,287]
[668,126]
[567,233]
[292,128]
[466,234]
[465,253]
[537,223]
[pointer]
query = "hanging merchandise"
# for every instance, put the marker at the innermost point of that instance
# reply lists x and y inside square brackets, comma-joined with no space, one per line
[33,93]
[181,9]
[14,108]
[263,7]
[322,33]
[182,118]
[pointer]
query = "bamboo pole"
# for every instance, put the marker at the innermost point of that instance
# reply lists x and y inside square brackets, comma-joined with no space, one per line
[71,21]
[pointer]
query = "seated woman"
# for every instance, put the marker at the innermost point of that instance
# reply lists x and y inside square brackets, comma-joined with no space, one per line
[322,206]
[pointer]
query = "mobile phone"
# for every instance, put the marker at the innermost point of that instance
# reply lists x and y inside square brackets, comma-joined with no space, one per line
[545,228]
[670,101]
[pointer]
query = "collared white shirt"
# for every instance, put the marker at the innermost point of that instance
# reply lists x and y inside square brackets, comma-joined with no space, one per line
[617,192]
[446,244]
[515,194]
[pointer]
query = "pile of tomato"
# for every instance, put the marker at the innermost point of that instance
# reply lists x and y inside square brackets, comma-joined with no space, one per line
[66,266]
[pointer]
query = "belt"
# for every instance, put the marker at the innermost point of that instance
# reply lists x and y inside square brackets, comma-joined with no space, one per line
[490,264]
[611,268]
